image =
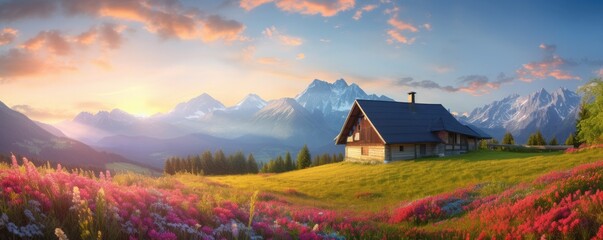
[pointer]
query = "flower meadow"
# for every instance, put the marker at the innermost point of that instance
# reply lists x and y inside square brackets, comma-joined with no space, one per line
[47,203]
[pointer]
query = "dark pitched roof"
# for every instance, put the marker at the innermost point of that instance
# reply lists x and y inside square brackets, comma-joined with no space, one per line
[480,132]
[401,122]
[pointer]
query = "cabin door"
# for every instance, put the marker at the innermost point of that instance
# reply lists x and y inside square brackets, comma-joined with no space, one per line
[423,149]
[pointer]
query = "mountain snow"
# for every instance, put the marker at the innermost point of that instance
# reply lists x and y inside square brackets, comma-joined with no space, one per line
[328,97]
[552,113]
[250,102]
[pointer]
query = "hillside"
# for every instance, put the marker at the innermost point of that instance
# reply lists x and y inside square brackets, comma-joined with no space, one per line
[473,196]
[359,186]
[27,138]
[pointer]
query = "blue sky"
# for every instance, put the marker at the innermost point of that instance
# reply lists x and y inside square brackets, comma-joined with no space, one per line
[60,57]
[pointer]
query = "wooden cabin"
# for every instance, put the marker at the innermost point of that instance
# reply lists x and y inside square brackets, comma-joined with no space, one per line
[383,131]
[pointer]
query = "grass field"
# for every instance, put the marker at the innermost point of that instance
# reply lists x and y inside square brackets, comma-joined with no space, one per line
[372,187]
[122,167]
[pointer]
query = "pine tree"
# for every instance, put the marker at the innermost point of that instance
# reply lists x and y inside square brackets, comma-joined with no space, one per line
[252,165]
[220,163]
[508,139]
[582,115]
[239,164]
[207,163]
[553,142]
[540,139]
[169,167]
[289,166]
[304,158]
[340,157]
[571,140]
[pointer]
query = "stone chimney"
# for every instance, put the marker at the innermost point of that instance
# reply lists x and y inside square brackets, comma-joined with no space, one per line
[411,97]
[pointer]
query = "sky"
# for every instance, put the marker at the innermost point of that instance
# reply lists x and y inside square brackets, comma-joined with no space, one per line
[61,57]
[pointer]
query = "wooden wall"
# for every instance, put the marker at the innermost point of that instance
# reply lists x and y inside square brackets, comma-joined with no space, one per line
[368,135]
[408,153]
[376,153]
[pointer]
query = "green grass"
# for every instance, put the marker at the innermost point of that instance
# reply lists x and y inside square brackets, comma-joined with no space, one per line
[373,187]
[122,167]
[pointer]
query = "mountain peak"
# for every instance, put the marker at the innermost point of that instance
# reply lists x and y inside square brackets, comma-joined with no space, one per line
[341,83]
[251,101]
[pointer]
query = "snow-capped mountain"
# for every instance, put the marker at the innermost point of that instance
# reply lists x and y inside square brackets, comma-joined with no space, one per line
[285,118]
[333,100]
[552,113]
[250,102]
[196,108]
[116,118]
[89,128]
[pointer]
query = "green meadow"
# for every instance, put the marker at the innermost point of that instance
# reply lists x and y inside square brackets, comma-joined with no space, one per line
[357,186]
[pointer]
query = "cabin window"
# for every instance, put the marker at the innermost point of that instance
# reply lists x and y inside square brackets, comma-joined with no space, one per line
[401,148]
[365,150]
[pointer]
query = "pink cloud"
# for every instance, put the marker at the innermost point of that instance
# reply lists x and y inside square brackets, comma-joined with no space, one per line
[248,5]
[427,26]
[326,8]
[21,62]
[549,67]
[366,8]
[399,26]
[7,36]
[600,73]
[283,39]
[168,19]
[53,40]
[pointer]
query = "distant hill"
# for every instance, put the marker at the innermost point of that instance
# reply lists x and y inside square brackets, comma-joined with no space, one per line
[22,136]
[552,113]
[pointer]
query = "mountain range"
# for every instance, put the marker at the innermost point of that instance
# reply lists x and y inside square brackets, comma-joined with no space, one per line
[264,128]
[554,114]
[254,125]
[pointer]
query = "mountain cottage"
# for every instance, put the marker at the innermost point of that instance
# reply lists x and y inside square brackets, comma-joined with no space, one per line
[384,131]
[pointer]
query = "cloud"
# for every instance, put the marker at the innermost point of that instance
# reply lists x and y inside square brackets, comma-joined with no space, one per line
[326,8]
[7,36]
[283,39]
[548,47]
[216,27]
[366,8]
[22,9]
[427,26]
[269,60]
[20,62]
[52,52]
[52,40]
[443,69]
[325,40]
[549,66]
[248,5]
[300,56]
[399,26]
[473,84]
[168,19]
[41,114]
[599,73]
[110,35]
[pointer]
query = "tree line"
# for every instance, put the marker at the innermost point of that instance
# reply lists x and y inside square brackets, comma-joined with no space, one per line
[207,163]
[284,164]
